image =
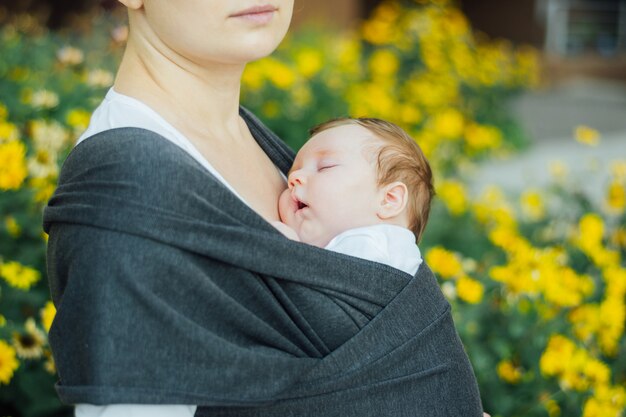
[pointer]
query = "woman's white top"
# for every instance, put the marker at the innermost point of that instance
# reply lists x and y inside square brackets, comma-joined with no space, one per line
[391,245]
[388,244]
[119,110]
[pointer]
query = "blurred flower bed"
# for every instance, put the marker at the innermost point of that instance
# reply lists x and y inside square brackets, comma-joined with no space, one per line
[537,281]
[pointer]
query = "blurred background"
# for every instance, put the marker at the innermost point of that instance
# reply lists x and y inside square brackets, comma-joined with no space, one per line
[520,107]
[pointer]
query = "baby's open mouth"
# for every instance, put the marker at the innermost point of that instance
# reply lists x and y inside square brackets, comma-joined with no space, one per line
[301,205]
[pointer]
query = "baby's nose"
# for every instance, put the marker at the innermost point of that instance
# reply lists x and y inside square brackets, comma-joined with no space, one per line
[296,178]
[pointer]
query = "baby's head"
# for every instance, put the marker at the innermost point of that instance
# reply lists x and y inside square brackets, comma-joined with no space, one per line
[354,173]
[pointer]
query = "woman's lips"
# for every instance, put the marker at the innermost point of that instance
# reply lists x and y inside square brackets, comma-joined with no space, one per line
[257,14]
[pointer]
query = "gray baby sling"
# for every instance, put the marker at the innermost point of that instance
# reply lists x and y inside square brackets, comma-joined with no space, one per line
[171,290]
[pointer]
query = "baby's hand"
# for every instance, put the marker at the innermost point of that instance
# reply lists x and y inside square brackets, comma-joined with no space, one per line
[286,230]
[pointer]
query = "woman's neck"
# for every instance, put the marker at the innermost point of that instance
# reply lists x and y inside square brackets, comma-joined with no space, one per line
[201,101]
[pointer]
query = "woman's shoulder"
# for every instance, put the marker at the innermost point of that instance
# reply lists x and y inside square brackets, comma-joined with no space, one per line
[128,143]
[128,152]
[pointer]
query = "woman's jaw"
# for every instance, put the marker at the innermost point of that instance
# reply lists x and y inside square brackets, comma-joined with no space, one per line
[213,32]
[185,59]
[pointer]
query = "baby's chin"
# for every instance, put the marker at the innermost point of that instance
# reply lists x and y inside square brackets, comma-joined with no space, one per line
[312,236]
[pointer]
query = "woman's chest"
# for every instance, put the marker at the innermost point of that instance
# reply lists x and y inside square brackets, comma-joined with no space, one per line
[249,171]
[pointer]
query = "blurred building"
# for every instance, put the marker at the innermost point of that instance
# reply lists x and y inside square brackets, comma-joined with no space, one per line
[578,37]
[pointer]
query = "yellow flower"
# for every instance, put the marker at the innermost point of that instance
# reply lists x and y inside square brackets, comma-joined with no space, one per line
[553,408]
[508,372]
[377,33]
[3,321]
[481,137]
[506,238]
[562,286]
[616,197]
[491,208]
[371,98]
[556,355]
[433,55]
[279,74]
[8,132]
[381,28]
[8,362]
[448,124]
[432,90]
[591,228]
[410,114]
[587,135]
[589,240]
[383,63]
[253,76]
[78,119]
[19,276]
[49,364]
[453,195]
[443,262]
[13,169]
[29,345]
[309,62]
[574,366]
[44,188]
[47,314]
[532,205]
[13,228]
[469,290]
[606,401]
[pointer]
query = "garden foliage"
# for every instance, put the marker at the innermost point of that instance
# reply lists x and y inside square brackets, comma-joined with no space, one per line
[537,281]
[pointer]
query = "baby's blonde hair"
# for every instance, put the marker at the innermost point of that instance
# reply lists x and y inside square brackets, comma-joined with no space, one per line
[399,159]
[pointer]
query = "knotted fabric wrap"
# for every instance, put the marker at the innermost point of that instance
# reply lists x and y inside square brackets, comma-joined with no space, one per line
[170,290]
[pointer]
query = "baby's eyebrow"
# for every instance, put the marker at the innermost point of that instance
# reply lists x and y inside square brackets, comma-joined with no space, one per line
[325,152]
[322,153]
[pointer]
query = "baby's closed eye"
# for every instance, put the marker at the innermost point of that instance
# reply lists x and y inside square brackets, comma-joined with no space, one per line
[323,167]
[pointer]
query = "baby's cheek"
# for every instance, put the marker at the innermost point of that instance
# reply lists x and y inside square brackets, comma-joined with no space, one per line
[285,206]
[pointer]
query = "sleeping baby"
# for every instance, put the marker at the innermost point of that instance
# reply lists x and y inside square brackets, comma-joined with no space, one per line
[361,187]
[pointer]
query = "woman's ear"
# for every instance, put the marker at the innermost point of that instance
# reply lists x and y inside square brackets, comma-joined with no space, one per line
[394,198]
[132,4]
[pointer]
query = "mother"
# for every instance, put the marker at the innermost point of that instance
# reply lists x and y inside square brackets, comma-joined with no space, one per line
[176,296]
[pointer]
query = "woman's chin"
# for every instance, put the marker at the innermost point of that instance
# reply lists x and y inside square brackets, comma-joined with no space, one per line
[254,48]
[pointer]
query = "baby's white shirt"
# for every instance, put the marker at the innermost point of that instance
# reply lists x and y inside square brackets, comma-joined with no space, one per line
[384,243]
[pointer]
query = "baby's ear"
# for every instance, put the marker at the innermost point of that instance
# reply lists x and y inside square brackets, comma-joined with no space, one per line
[394,198]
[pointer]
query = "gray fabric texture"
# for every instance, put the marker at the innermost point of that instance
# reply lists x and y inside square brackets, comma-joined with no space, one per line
[170,290]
